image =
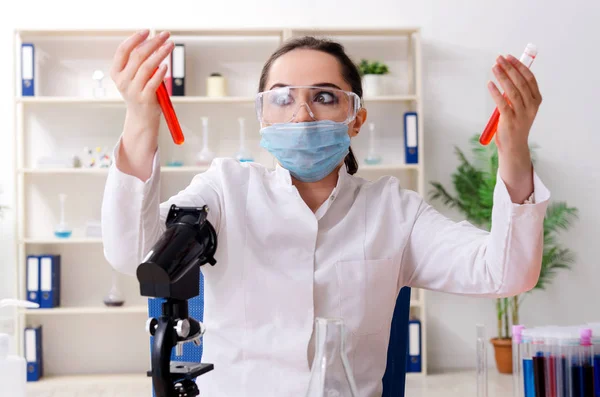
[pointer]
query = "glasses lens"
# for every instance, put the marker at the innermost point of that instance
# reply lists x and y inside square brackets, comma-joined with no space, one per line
[306,103]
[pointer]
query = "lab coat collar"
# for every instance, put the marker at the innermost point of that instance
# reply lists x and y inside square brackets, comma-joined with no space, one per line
[284,176]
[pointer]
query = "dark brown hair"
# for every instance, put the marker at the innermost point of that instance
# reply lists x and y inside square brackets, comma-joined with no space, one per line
[350,72]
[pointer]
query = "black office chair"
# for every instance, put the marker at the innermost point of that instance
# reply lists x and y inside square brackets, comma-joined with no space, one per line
[394,379]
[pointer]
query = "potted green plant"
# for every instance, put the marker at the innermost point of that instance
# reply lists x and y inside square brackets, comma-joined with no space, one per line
[474,183]
[372,73]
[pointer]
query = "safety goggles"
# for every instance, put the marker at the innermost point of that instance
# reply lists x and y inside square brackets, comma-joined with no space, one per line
[283,104]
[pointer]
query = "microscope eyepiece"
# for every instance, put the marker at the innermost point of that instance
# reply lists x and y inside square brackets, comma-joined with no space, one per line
[171,268]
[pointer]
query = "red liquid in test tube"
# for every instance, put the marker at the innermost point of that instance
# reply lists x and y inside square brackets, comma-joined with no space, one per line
[164,100]
[490,129]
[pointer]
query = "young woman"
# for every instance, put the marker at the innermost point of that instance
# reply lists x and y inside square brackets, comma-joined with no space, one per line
[308,238]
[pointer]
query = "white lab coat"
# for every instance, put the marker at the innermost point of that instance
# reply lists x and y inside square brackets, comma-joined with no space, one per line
[279,265]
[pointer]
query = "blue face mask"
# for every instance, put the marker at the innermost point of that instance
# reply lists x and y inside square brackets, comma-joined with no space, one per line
[310,150]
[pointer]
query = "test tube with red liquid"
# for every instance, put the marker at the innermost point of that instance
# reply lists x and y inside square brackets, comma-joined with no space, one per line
[164,100]
[490,129]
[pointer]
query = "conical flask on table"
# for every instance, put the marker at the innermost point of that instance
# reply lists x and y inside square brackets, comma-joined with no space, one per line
[331,375]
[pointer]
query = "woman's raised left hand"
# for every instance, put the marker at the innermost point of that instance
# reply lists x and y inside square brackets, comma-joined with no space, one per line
[518,108]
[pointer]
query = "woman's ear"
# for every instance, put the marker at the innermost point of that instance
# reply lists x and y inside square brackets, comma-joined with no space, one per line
[361,118]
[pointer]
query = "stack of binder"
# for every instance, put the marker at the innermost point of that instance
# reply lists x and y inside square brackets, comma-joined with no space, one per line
[27,69]
[43,280]
[411,138]
[414,346]
[34,353]
[175,76]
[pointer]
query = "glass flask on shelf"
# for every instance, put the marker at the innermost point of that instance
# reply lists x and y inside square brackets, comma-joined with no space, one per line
[373,157]
[331,375]
[243,154]
[206,156]
[114,297]
[62,229]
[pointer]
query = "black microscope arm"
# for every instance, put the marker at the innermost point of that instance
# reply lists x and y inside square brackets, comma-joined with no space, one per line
[171,271]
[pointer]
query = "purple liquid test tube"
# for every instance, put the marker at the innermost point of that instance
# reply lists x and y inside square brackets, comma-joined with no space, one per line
[587,363]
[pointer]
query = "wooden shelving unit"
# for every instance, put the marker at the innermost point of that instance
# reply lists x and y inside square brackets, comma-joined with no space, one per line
[64,117]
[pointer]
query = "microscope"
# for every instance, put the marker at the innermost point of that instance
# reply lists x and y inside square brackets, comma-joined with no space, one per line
[171,270]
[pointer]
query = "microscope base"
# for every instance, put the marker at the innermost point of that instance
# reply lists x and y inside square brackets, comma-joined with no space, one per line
[183,375]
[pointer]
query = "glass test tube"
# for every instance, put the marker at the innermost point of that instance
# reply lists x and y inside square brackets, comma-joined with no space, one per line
[550,356]
[596,354]
[560,366]
[568,347]
[526,349]
[587,363]
[539,364]
[527,58]
[517,338]
[482,387]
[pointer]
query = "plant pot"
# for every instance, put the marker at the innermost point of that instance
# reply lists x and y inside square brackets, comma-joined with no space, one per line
[503,355]
[372,85]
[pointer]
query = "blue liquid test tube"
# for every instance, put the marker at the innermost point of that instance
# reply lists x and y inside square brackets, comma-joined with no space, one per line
[526,349]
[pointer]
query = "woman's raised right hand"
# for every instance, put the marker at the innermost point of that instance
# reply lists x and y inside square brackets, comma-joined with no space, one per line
[133,71]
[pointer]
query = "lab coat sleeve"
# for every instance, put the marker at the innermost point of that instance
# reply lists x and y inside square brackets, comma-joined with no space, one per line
[457,257]
[133,218]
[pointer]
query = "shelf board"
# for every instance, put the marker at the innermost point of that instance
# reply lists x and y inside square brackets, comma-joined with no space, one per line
[223,32]
[75,33]
[60,100]
[65,170]
[183,169]
[85,310]
[50,100]
[388,167]
[189,169]
[95,379]
[71,240]
[391,98]
[103,171]
[383,31]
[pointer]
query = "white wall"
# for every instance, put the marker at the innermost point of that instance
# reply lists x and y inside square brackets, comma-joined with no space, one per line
[460,39]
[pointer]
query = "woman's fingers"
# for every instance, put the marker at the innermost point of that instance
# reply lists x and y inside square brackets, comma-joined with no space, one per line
[124,50]
[141,53]
[529,78]
[511,91]
[154,82]
[503,106]
[519,81]
[149,66]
